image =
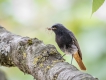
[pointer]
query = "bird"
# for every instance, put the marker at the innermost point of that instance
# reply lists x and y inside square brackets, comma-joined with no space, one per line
[68,43]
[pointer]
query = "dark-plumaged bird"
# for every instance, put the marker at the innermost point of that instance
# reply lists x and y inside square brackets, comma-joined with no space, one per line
[68,43]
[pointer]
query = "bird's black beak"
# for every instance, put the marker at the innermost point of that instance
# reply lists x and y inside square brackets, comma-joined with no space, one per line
[51,28]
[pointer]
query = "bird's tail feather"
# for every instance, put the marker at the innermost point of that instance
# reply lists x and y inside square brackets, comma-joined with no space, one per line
[79,61]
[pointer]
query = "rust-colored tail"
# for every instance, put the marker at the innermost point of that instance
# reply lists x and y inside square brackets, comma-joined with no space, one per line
[79,61]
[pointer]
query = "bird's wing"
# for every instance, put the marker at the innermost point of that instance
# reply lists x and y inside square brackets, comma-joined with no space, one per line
[76,43]
[77,55]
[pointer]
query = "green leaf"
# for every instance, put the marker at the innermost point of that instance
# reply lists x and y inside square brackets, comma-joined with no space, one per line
[96,5]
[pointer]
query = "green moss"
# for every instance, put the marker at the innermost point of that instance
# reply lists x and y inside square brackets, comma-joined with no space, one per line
[30,42]
[53,51]
[35,61]
[55,77]
[41,65]
[24,55]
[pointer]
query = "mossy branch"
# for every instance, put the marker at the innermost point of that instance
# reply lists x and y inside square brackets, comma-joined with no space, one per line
[2,75]
[33,57]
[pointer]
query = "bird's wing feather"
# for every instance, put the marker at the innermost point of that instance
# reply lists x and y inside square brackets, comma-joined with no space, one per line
[76,43]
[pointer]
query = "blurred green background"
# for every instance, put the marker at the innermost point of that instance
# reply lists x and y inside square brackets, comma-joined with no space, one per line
[32,17]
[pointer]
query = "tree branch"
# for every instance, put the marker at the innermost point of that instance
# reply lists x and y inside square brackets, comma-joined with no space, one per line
[2,75]
[33,57]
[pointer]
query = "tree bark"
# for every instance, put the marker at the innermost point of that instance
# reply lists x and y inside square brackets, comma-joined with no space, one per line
[33,57]
[2,75]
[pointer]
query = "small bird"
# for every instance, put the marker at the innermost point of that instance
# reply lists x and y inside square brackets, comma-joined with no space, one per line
[68,43]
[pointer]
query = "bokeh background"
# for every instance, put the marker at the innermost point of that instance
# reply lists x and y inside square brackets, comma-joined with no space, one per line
[32,17]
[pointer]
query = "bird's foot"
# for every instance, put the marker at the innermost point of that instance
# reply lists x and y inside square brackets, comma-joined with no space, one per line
[62,57]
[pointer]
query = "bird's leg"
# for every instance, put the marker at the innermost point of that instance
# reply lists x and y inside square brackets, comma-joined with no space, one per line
[72,59]
[62,56]
[63,51]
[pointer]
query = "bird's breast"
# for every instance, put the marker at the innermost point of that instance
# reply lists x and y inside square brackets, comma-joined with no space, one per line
[63,39]
[65,44]
[70,50]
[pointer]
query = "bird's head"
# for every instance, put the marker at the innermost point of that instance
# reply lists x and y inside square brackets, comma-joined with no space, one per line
[57,28]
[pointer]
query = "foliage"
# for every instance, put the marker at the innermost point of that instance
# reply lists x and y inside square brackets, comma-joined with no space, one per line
[96,5]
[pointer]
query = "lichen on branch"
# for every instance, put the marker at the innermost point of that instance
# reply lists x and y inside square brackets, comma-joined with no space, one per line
[33,57]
